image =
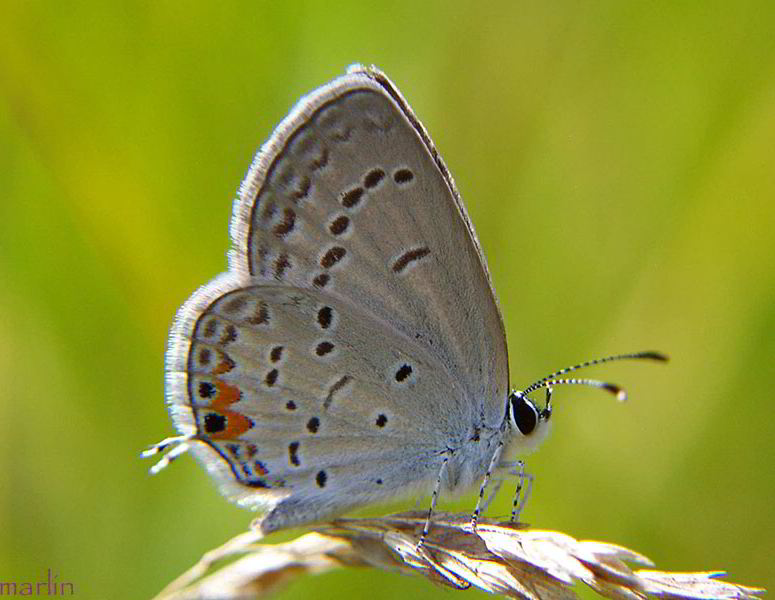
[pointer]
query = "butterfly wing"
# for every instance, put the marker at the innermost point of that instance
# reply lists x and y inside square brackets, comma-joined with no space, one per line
[348,210]
[349,195]
[297,405]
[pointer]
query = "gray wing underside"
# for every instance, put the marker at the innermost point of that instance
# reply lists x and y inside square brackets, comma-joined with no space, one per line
[349,207]
[290,399]
[349,195]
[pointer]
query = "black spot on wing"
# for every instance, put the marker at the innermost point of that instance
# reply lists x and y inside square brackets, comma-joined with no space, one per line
[408,257]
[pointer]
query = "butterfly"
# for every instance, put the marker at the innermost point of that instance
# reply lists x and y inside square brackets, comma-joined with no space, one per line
[354,351]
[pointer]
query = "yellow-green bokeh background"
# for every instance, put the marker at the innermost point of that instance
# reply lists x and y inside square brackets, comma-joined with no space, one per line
[617,159]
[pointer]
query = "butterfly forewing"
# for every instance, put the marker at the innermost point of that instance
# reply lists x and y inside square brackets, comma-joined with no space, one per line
[350,196]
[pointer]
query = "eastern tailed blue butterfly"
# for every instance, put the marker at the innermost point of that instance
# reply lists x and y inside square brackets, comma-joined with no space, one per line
[354,350]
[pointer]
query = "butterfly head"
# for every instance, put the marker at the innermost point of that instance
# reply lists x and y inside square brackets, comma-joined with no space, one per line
[527,421]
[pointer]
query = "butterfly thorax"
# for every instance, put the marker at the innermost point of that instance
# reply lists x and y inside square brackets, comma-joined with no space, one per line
[469,461]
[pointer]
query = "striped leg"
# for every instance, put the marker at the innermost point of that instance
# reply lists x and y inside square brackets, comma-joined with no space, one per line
[496,456]
[434,498]
[518,506]
[507,467]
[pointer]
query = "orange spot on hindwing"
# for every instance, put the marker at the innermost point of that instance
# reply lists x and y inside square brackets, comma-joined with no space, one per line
[227,394]
[220,422]
[233,426]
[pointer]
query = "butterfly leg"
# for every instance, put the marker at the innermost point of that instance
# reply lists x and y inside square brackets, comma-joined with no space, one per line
[519,504]
[434,499]
[502,466]
[493,493]
[496,456]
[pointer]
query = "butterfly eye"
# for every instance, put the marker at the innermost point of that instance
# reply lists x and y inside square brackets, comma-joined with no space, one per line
[524,414]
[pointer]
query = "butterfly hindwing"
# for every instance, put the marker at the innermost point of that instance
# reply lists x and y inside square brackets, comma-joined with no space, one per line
[284,384]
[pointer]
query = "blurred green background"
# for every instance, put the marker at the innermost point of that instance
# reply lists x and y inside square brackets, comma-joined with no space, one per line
[617,159]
